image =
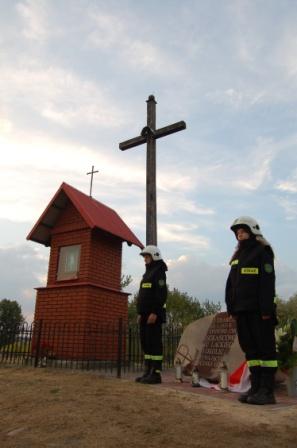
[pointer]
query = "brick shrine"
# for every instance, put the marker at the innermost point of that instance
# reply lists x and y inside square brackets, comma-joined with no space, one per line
[84,275]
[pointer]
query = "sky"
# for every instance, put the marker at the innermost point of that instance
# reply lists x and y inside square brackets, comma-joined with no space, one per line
[74,80]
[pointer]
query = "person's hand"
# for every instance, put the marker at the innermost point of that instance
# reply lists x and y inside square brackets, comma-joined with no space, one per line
[152,318]
[266,317]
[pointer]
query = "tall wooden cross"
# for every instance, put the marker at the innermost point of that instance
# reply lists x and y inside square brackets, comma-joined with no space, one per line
[149,135]
[92,174]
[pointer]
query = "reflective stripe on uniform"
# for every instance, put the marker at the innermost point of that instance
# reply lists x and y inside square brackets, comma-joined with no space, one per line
[234,262]
[249,271]
[262,363]
[156,357]
[146,285]
[254,362]
[269,363]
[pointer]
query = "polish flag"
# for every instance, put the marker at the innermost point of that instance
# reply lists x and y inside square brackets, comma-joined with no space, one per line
[239,380]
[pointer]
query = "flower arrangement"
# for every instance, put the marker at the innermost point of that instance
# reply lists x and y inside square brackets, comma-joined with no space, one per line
[285,345]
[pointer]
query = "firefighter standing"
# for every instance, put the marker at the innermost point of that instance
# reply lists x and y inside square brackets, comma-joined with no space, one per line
[250,293]
[152,313]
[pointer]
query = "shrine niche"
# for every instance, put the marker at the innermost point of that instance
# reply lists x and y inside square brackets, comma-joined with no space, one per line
[84,273]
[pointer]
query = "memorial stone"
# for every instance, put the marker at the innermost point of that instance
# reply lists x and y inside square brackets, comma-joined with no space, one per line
[217,343]
[207,343]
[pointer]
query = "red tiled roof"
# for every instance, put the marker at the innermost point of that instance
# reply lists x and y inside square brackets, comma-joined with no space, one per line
[94,213]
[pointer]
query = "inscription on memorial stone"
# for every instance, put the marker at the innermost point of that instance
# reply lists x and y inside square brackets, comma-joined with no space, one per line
[218,340]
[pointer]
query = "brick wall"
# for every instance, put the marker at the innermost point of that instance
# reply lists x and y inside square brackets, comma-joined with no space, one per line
[84,303]
[80,321]
[101,252]
[106,259]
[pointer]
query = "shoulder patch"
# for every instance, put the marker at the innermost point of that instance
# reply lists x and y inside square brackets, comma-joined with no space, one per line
[161,282]
[268,268]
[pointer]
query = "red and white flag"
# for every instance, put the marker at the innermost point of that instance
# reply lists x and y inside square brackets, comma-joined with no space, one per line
[239,380]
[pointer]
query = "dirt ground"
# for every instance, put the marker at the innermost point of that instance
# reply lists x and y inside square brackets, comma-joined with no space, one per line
[57,409]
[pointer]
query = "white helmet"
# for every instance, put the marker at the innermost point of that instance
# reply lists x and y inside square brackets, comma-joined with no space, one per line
[249,222]
[153,251]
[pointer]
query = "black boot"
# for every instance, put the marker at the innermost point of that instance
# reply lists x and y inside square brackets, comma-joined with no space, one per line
[265,394]
[147,370]
[255,384]
[154,377]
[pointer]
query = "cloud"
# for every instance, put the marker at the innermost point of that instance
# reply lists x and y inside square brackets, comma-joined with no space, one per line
[237,169]
[34,15]
[201,280]
[286,285]
[289,185]
[59,96]
[109,29]
[252,177]
[173,179]
[183,234]
[22,268]
[237,99]
[5,126]
[175,202]
[289,205]
[23,192]
[285,51]
[117,34]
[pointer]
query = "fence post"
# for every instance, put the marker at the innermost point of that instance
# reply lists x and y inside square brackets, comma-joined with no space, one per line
[39,326]
[120,347]
[129,345]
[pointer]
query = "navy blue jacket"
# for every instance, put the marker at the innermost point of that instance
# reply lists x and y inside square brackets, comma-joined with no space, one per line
[251,281]
[153,290]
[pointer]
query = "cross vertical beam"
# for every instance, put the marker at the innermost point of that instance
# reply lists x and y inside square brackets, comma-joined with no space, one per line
[149,135]
[151,189]
[92,174]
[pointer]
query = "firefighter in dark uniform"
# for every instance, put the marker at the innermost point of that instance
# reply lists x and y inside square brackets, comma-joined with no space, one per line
[250,295]
[151,303]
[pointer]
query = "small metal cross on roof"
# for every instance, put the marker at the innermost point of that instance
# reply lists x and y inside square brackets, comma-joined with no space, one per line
[148,135]
[92,173]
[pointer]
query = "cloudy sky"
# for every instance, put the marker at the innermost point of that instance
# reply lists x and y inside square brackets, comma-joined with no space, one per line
[74,79]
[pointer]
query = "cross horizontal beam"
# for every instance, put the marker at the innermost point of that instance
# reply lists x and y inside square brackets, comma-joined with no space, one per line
[158,133]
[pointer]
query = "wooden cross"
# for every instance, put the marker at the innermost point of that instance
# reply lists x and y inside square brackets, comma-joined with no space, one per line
[92,174]
[149,135]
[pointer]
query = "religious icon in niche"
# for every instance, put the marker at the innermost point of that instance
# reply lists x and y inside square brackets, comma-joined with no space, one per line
[68,267]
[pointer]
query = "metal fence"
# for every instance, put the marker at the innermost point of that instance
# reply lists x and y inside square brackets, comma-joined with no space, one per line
[113,349]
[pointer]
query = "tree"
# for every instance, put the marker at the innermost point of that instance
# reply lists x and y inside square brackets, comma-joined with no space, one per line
[183,309]
[286,309]
[10,315]
[180,307]
[211,307]
[132,312]
[125,281]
